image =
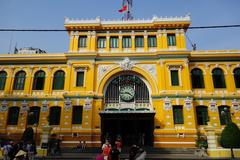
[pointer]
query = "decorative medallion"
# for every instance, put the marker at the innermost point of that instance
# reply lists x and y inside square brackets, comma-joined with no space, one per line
[126,64]
[24,106]
[88,104]
[167,104]
[44,107]
[102,70]
[4,107]
[213,107]
[188,103]
[67,105]
[235,105]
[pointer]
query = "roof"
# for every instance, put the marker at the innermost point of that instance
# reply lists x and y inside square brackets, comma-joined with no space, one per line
[154,23]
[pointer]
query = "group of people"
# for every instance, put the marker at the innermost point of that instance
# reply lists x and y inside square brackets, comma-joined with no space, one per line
[112,152]
[19,151]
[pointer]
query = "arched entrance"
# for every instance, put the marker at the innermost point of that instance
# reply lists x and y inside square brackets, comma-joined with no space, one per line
[127,111]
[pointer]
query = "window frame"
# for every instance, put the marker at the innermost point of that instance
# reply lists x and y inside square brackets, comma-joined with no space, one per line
[99,39]
[139,41]
[19,80]
[3,79]
[197,79]
[217,77]
[82,44]
[75,113]
[202,115]
[36,115]
[112,38]
[53,119]
[13,111]
[149,41]
[178,117]
[37,79]
[56,79]
[125,44]
[171,40]
[236,73]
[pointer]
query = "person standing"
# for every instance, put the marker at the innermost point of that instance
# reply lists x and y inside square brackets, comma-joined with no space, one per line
[106,147]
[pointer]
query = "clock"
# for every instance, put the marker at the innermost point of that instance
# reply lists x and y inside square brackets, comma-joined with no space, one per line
[127,93]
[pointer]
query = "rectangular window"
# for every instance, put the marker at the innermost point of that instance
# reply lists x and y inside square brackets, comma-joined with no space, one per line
[101,42]
[171,39]
[77,115]
[127,42]
[80,79]
[113,42]
[139,41]
[82,42]
[178,114]
[174,78]
[152,41]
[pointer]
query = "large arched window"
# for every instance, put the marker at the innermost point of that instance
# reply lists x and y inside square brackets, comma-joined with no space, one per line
[13,114]
[202,115]
[19,80]
[58,80]
[55,115]
[39,79]
[218,78]
[3,77]
[33,115]
[236,73]
[224,116]
[197,78]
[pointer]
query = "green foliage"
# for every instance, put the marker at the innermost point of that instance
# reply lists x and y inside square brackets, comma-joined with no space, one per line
[28,135]
[230,137]
[201,141]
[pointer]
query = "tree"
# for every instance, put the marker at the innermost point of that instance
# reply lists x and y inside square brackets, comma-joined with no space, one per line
[230,137]
[28,135]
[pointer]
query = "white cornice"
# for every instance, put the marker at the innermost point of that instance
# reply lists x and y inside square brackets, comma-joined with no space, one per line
[99,21]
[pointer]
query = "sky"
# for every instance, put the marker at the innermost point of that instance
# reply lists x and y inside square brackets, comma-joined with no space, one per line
[49,14]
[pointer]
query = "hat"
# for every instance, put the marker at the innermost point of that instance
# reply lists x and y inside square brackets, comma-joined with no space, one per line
[20,153]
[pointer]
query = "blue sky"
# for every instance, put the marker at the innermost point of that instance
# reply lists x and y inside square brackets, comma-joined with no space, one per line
[49,14]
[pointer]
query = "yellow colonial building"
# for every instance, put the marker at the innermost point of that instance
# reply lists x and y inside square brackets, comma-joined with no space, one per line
[135,79]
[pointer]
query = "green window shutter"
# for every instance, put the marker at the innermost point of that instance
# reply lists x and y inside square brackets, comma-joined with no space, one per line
[101,42]
[237,77]
[223,117]
[152,41]
[55,115]
[82,42]
[77,115]
[34,118]
[80,79]
[3,77]
[171,40]
[39,80]
[178,114]
[139,41]
[13,114]
[174,78]
[58,80]
[218,78]
[19,81]
[126,42]
[197,78]
[113,42]
[202,115]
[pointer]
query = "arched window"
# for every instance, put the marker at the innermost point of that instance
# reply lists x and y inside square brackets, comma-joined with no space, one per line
[58,80]
[224,114]
[197,78]
[19,80]
[33,115]
[236,73]
[202,115]
[54,115]
[3,77]
[39,79]
[218,78]
[13,114]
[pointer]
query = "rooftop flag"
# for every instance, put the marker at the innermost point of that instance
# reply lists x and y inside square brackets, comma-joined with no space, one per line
[123,9]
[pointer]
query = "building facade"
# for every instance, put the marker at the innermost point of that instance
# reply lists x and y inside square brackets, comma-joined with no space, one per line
[135,79]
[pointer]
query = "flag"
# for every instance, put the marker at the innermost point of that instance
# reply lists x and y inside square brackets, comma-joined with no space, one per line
[123,9]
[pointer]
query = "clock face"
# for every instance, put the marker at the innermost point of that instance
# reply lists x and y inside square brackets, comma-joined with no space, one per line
[127,93]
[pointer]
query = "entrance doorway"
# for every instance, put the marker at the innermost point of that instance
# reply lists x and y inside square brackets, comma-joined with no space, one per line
[133,128]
